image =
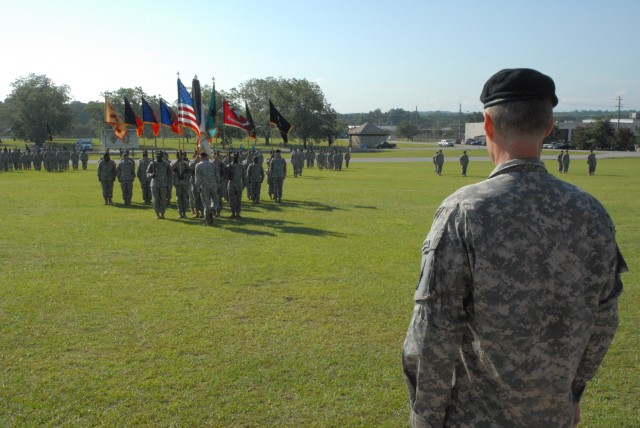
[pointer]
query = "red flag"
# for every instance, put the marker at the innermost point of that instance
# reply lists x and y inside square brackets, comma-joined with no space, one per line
[233,118]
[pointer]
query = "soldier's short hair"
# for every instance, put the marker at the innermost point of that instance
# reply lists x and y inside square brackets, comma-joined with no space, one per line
[526,117]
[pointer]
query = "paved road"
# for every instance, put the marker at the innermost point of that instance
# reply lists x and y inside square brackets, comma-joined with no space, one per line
[485,156]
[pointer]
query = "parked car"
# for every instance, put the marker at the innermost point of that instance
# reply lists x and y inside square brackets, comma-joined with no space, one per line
[84,144]
[472,142]
[562,145]
[386,145]
[446,143]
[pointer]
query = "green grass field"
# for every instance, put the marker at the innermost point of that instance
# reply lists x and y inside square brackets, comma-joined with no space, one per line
[293,316]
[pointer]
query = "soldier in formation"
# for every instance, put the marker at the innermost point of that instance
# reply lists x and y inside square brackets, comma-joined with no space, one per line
[126,173]
[181,182]
[5,159]
[84,159]
[277,173]
[297,162]
[37,160]
[207,180]
[236,176]
[141,173]
[255,177]
[75,159]
[106,176]
[159,172]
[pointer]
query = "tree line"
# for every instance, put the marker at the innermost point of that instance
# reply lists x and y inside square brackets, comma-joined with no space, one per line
[37,106]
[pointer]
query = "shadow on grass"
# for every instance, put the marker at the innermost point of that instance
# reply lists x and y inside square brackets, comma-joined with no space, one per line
[246,226]
[309,205]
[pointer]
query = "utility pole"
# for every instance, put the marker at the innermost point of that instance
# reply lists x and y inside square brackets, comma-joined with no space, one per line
[619,106]
[459,121]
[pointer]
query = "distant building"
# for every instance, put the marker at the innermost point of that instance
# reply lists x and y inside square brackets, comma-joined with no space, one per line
[367,135]
[476,130]
[566,128]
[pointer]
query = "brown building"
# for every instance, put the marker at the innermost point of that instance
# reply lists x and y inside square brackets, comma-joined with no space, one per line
[367,135]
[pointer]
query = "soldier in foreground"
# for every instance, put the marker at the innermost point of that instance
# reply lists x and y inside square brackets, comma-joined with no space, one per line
[508,326]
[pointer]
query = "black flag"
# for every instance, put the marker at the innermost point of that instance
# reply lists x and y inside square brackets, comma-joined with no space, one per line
[279,122]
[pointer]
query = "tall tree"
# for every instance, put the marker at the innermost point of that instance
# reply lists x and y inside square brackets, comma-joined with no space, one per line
[406,129]
[34,103]
[301,102]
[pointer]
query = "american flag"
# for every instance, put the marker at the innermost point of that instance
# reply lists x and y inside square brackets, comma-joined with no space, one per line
[186,112]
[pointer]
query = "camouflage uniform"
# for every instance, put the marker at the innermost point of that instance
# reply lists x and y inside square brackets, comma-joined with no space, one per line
[591,162]
[15,158]
[126,173]
[106,176]
[207,180]
[464,162]
[347,158]
[255,177]
[6,160]
[508,326]
[566,159]
[159,172]
[277,173]
[37,160]
[181,182]
[75,159]
[145,183]
[235,172]
[560,161]
[84,159]
[438,161]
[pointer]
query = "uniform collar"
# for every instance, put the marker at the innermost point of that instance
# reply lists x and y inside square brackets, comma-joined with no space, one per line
[519,165]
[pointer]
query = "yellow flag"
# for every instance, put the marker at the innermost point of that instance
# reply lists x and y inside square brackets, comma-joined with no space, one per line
[111,117]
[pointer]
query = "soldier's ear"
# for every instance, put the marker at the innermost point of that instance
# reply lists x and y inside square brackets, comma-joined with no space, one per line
[488,125]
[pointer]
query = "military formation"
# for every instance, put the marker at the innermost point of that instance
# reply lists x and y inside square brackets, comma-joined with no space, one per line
[204,183]
[48,159]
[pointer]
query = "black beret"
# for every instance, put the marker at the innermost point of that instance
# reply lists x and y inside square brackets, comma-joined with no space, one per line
[516,84]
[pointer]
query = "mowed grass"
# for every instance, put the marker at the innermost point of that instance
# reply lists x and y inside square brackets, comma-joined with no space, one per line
[293,316]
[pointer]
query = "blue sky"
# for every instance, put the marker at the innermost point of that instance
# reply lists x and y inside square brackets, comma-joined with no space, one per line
[433,55]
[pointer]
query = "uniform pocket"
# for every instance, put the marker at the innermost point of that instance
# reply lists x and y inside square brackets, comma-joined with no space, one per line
[425,289]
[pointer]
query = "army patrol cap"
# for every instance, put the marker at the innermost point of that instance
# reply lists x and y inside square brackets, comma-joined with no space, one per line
[517,84]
